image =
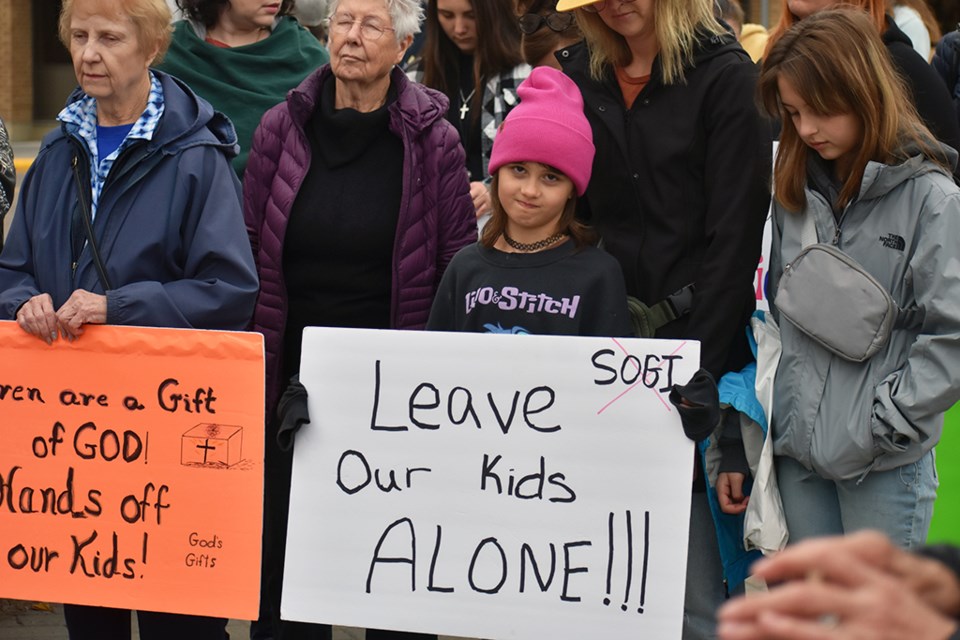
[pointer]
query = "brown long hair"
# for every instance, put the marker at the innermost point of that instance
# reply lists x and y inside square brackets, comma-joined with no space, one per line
[498,48]
[838,64]
[876,9]
[582,234]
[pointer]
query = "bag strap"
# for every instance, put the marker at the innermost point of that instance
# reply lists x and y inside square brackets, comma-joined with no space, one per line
[806,229]
[88,229]
[646,320]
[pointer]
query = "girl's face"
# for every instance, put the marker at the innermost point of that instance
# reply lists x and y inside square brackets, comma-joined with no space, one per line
[806,8]
[835,137]
[534,196]
[459,22]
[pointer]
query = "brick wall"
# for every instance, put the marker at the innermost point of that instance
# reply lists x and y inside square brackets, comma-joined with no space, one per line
[16,62]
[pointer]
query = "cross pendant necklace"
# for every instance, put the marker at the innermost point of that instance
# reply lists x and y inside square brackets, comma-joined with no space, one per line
[465,104]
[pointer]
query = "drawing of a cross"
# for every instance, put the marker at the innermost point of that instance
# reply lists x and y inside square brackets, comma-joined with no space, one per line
[206,449]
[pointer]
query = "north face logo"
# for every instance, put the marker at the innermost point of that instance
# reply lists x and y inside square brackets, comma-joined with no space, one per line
[893,241]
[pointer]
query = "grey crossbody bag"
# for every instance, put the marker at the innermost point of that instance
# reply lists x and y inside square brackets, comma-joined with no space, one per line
[832,299]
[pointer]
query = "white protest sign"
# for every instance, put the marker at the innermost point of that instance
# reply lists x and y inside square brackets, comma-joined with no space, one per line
[490,486]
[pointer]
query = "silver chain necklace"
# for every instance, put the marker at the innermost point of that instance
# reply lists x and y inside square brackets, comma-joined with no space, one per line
[465,103]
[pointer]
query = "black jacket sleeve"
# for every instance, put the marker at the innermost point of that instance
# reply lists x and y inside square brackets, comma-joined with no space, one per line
[930,93]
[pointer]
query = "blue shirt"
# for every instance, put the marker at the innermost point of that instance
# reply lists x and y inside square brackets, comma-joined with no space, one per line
[83,114]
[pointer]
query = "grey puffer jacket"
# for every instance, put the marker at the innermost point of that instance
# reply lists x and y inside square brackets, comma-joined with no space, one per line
[844,419]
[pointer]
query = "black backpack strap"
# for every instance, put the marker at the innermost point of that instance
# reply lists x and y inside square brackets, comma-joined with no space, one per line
[88,229]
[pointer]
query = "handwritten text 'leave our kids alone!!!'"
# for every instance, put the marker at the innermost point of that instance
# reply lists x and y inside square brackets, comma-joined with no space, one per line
[399,404]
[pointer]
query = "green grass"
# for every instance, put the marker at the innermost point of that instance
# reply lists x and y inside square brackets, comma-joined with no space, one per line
[946,511]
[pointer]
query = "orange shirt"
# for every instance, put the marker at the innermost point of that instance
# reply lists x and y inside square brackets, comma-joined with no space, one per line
[630,86]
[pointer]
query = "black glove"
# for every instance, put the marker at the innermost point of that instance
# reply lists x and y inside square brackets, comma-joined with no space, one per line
[698,402]
[292,412]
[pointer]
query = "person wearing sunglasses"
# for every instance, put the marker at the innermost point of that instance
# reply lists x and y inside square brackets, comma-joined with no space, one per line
[679,196]
[545,32]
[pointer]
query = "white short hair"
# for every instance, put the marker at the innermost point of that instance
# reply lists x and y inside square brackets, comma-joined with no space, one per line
[406,16]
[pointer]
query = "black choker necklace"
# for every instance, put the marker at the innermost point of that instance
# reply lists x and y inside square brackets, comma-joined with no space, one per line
[533,246]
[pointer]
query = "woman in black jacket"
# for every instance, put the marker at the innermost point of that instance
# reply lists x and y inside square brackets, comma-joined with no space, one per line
[679,193]
[946,61]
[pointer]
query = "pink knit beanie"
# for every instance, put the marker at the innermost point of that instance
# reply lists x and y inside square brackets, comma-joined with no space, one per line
[549,127]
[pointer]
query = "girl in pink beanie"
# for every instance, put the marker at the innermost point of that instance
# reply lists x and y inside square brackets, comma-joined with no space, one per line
[534,269]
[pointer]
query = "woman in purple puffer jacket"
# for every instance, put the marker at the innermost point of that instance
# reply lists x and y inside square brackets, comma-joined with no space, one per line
[355,198]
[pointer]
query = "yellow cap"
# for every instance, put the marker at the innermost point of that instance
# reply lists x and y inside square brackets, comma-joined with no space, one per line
[570,5]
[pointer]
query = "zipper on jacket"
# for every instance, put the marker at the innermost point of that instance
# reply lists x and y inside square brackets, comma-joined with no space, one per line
[120,165]
[839,225]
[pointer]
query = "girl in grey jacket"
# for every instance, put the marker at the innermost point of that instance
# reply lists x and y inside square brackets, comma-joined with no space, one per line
[854,440]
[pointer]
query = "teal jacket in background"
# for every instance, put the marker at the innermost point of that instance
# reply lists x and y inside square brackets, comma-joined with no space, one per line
[244,82]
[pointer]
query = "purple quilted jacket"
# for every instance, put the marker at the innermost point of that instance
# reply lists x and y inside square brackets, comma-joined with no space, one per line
[436,212]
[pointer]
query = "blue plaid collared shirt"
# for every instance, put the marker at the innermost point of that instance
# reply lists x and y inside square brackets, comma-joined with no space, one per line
[83,114]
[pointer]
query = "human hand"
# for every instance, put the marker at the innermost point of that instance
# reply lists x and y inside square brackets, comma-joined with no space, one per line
[730,492]
[934,583]
[37,317]
[876,607]
[82,307]
[480,194]
[853,596]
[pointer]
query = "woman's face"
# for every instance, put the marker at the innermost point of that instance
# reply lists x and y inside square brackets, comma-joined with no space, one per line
[805,8]
[357,57]
[251,14]
[459,22]
[108,59]
[632,19]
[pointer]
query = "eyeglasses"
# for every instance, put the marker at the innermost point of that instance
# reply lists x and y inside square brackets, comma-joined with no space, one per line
[530,23]
[597,7]
[370,29]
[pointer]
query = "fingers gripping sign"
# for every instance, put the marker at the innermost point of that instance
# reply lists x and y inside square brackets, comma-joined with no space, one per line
[37,318]
[83,307]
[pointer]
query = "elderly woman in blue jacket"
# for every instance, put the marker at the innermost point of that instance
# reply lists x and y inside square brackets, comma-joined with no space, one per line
[130,215]
[142,163]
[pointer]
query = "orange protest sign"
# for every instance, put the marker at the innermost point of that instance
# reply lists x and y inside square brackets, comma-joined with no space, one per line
[131,471]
